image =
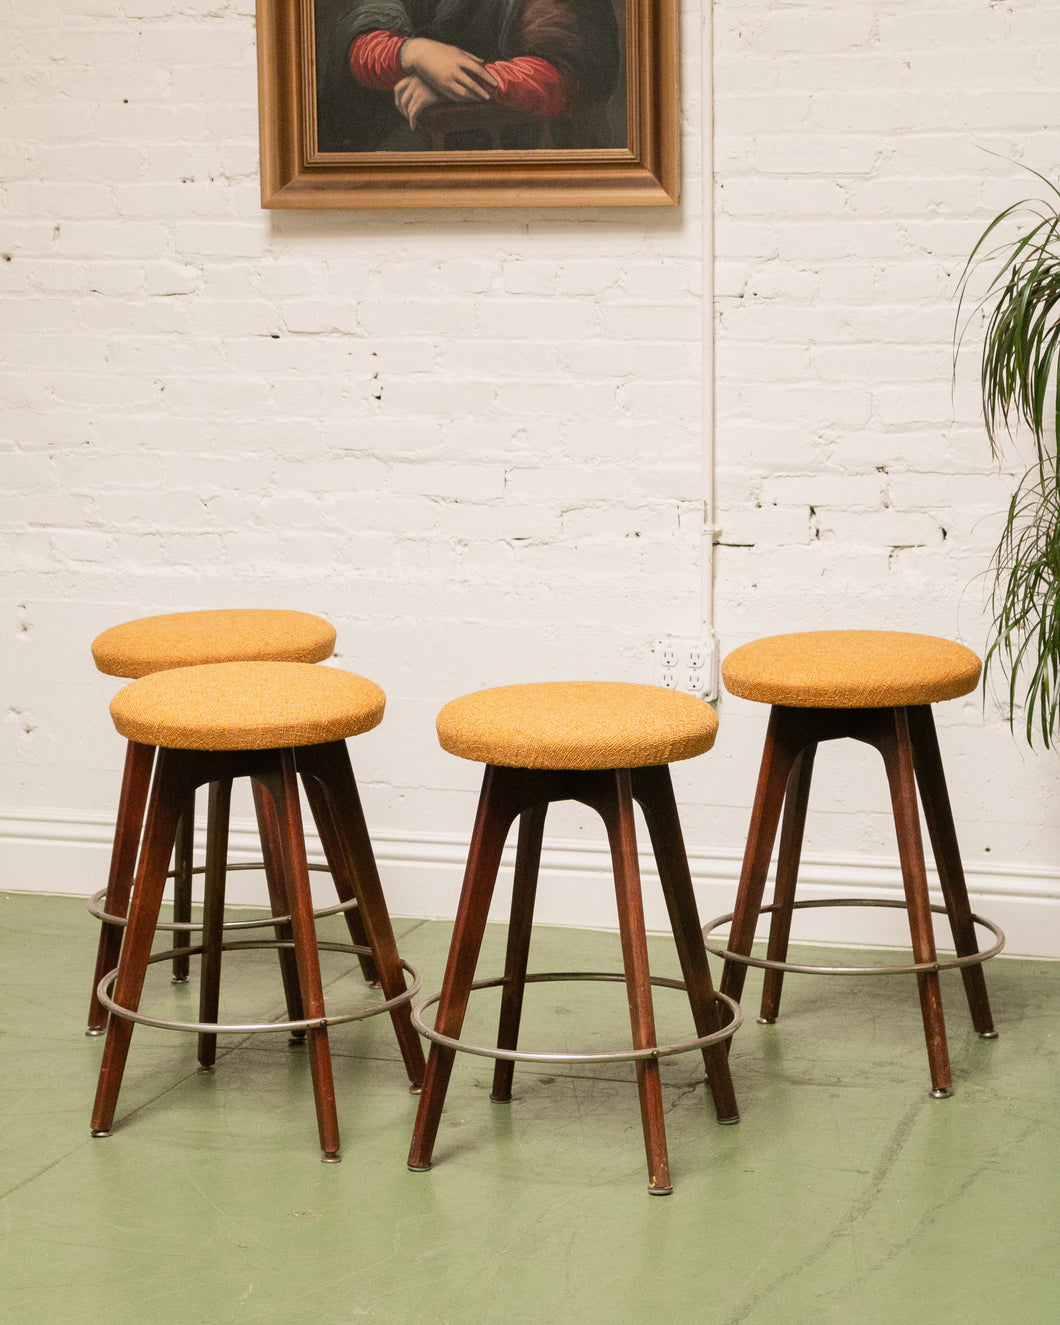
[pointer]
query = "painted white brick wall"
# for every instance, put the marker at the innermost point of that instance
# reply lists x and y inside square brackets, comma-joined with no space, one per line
[854,173]
[473,440]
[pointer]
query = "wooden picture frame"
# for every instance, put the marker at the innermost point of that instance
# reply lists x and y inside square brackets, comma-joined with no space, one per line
[571,172]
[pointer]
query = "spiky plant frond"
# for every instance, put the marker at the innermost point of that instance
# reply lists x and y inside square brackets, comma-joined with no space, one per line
[1020,387]
[1018,379]
[1025,641]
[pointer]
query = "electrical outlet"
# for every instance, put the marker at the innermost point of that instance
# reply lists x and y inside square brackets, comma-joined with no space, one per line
[685,663]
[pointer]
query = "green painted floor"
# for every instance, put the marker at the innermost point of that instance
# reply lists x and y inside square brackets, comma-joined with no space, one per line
[845,1194]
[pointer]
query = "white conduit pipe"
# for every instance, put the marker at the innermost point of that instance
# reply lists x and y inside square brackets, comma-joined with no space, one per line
[707,536]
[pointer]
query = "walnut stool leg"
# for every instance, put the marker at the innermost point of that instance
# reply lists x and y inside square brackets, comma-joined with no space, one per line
[359,937]
[895,746]
[778,756]
[653,788]
[136,781]
[346,842]
[939,819]
[169,795]
[218,813]
[183,865]
[792,830]
[324,818]
[272,860]
[497,808]
[622,835]
[524,890]
[282,784]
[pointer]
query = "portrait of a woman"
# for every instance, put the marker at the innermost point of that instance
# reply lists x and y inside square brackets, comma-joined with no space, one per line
[474,75]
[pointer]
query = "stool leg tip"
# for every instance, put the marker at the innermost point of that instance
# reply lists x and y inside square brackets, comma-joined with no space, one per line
[99,1132]
[727,1122]
[767,1021]
[660,1191]
[418,1168]
[942,1093]
[93,1031]
[983,1035]
[180,980]
[330,1157]
[416,1088]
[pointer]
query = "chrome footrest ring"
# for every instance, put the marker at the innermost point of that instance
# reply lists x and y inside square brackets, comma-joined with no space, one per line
[103,991]
[910,968]
[95,907]
[630,1055]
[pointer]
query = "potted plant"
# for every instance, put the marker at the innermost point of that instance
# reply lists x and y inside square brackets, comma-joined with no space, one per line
[1019,384]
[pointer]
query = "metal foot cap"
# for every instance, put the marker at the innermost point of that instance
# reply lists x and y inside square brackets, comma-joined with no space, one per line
[983,1035]
[942,1093]
[100,1132]
[330,1157]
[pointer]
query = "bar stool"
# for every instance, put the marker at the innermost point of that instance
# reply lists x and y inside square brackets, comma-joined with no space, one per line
[270,722]
[605,745]
[160,643]
[877,687]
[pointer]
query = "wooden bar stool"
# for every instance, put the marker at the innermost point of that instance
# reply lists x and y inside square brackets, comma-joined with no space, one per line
[605,745]
[878,687]
[161,643]
[270,722]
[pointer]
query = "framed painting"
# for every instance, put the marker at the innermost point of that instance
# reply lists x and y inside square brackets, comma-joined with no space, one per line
[468,103]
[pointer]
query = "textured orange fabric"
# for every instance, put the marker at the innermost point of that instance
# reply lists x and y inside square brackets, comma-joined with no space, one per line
[185,639]
[246,706]
[577,725]
[851,669]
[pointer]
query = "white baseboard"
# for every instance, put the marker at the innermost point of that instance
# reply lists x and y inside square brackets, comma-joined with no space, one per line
[49,852]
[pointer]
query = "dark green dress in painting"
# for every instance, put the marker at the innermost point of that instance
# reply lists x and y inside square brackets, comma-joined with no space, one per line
[579,37]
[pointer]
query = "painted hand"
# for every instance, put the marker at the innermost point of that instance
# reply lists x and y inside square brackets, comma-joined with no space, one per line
[412,96]
[454,74]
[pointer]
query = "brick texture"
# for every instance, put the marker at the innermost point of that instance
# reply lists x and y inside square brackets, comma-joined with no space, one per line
[860,150]
[473,440]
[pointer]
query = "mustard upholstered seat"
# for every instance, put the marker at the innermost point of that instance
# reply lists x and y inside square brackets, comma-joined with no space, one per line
[877,687]
[851,669]
[247,706]
[183,639]
[577,725]
[606,745]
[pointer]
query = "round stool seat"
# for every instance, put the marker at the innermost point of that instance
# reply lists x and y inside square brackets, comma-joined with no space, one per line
[247,706]
[577,725]
[185,639]
[851,669]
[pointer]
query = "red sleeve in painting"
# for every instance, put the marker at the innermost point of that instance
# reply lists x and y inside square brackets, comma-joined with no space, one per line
[526,83]
[375,60]
[530,84]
